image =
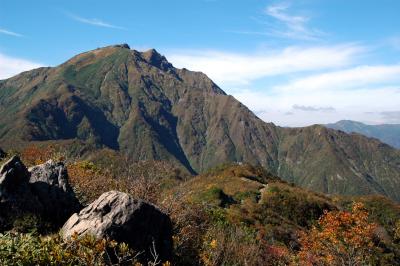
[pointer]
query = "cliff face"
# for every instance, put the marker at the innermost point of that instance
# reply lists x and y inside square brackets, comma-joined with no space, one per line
[138,103]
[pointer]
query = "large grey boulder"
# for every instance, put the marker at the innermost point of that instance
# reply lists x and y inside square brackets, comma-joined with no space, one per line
[119,216]
[13,179]
[51,173]
[42,193]
[49,182]
[16,197]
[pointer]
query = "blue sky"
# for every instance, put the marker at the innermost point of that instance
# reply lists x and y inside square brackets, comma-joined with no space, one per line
[293,63]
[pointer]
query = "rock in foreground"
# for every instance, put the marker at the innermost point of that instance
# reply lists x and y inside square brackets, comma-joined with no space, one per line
[16,198]
[3,154]
[49,182]
[13,177]
[42,192]
[122,218]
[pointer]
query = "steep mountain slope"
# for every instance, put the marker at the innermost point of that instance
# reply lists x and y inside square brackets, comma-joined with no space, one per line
[332,161]
[388,133]
[138,103]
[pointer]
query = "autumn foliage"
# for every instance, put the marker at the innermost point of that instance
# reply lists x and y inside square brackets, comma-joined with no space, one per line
[34,155]
[233,215]
[340,238]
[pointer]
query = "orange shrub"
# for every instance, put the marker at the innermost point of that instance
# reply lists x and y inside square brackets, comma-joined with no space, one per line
[340,238]
[89,182]
[34,155]
[38,154]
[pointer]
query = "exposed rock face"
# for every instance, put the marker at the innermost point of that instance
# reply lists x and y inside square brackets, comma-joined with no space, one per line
[16,197]
[43,191]
[3,154]
[49,182]
[118,216]
[13,177]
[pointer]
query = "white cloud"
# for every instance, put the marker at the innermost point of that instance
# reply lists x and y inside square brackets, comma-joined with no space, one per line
[94,22]
[10,66]
[11,33]
[313,85]
[357,77]
[365,105]
[234,69]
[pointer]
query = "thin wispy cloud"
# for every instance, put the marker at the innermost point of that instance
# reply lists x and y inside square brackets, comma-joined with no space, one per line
[278,21]
[289,25]
[94,22]
[11,33]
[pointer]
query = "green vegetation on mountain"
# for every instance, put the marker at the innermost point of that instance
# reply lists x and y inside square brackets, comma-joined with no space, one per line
[387,133]
[139,104]
[233,214]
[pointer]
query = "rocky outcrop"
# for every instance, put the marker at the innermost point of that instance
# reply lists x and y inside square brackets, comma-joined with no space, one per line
[14,178]
[122,218]
[49,182]
[3,154]
[16,198]
[13,174]
[43,192]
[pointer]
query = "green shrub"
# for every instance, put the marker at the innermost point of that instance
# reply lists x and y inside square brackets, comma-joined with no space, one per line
[217,197]
[253,195]
[32,249]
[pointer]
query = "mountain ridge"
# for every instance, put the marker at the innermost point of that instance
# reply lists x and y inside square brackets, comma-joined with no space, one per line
[139,104]
[388,133]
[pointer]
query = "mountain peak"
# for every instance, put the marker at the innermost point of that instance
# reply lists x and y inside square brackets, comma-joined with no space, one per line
[123,45]
[156,59]
[152,52]
[139,104]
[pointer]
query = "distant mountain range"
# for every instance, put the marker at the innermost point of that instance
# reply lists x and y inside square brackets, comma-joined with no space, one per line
[388,133]
[138,103]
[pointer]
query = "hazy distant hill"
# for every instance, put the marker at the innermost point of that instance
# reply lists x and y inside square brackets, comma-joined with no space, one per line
[388,133]
[138,103]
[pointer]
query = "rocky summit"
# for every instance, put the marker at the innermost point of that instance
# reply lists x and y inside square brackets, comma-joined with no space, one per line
[139,104]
